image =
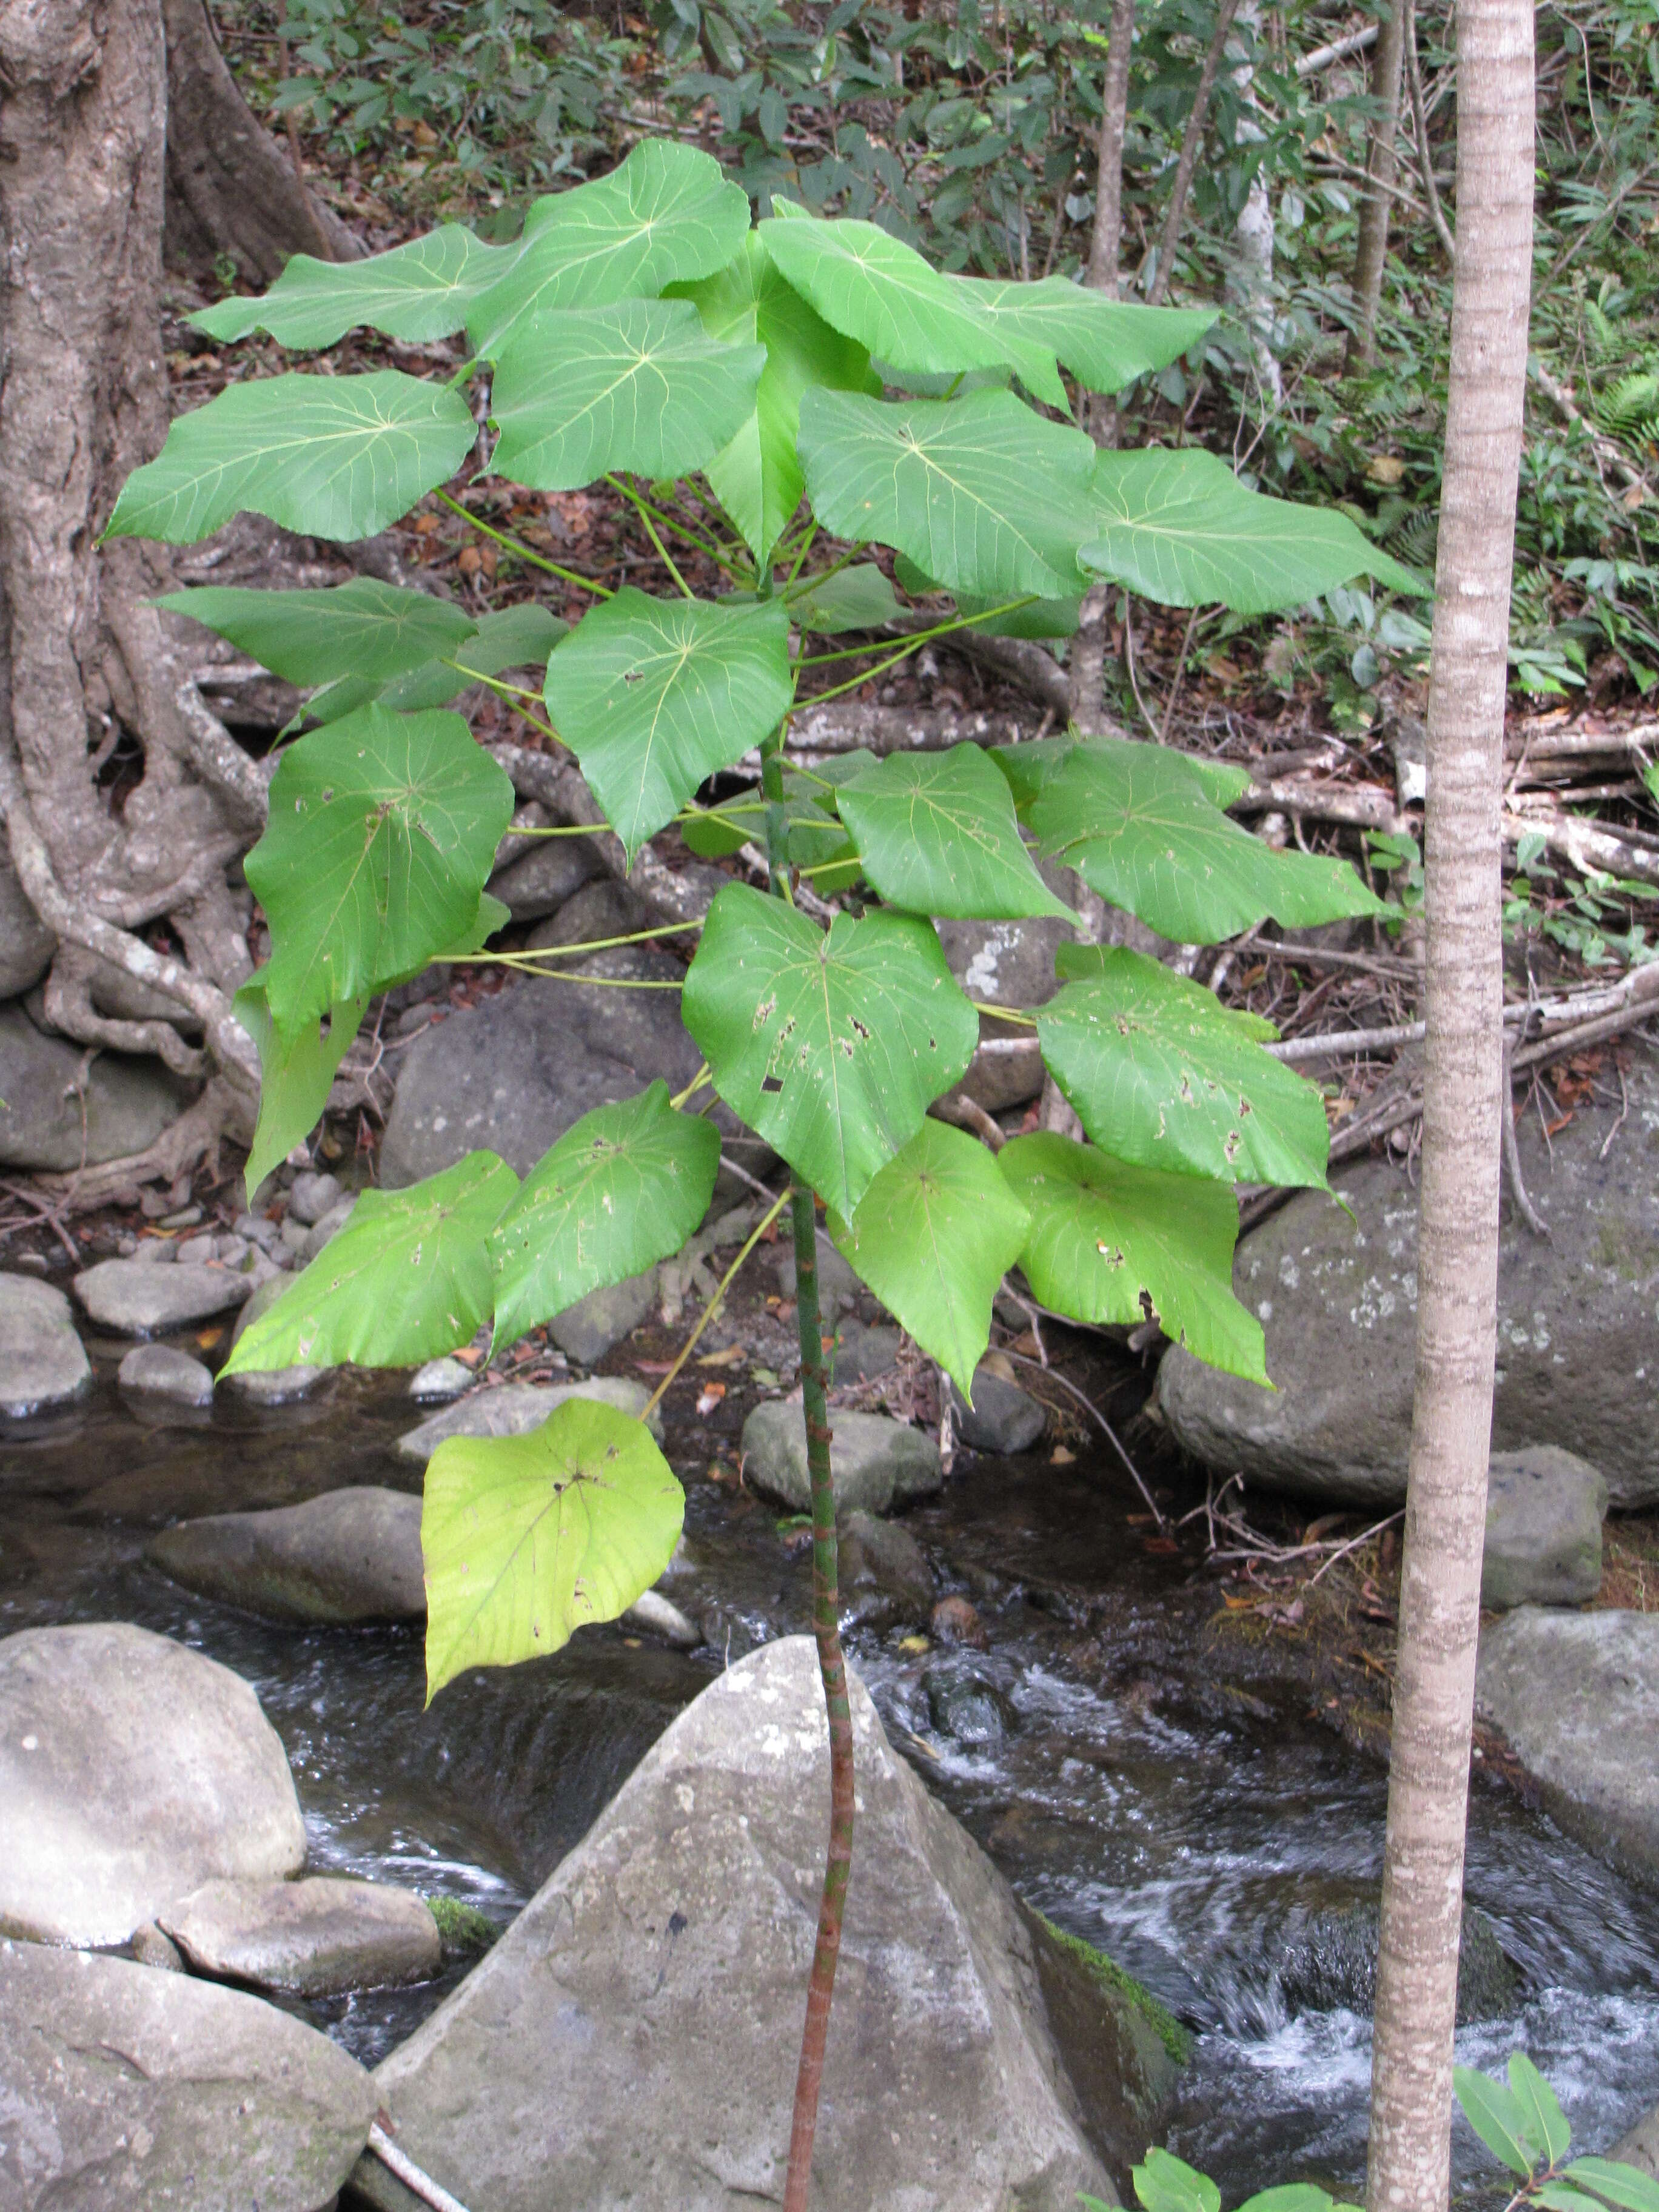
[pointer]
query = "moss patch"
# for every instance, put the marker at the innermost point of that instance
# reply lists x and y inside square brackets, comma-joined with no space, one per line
[1109,1977]
[461,1927]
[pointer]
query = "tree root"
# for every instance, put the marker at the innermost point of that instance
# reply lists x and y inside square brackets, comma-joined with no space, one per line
[222,1111]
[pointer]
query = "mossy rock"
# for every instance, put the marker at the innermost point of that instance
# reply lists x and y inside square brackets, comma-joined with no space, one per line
[464,1931]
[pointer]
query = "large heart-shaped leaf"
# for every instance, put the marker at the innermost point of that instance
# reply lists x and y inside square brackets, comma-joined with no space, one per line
[1106,343]
[382,835]
[1159,1071]
[1180,528]
[365,629]
[623,1186]
[937,834]
[407,1279]
[527,1538]
[979,493]
[832,1046]
[1139,827]
[757,476]
[416,292]
[668,212]
[1113,1241]
[508,637]
[933,1236]
[296,1074]
[329,456]
[640,387]
[654,695]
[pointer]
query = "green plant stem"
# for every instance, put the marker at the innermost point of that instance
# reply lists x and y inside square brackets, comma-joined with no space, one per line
[644,512]
[713,1305]
[832,1667]
[524,552]
[527,960]
[911,645]
[721,560]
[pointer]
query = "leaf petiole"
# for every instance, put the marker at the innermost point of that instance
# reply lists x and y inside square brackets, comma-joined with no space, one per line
[524,552]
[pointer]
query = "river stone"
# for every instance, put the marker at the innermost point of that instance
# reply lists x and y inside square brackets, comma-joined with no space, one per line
[541,881]
[884,1572]
[966,1706]
[642,2015]
[1577,1695]
[875,1461]
[157,1370]
[124,2089]
[258,1302]
[132,1770]
[588,1330]
[136,1299]
[1003,1418]
[350,1555]
[1577,1345]
[839,1288]
[128,1102]
[43,1363]
[864,1351]
[26,944]
[658,1615]
[1543,1546]
[1332,1963]
[320,1937]
[1640,2147]
[310,1196]
[150,1948]
[326,1226]
[516,1406]
[440,1381]
[1005,963]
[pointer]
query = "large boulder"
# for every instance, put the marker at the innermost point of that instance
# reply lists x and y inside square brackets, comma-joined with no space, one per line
[513,1407]
[350,1555]
[640,2020]
[122,2088]
[43,1364]
[1330,1962]
[131,1771]
[54,1116]
[539,882]
[1543,1546]
[1578,1324]
[316,1938]
[875,1461]
[1640,2147]
[136,1297]
[1577,1695]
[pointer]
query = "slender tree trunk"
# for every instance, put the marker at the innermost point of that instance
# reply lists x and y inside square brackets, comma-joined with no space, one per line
[1457,1267]
[1383,167]
[1192,143]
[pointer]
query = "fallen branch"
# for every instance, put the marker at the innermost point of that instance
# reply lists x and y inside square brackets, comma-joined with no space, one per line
[847,726]
[418,2183]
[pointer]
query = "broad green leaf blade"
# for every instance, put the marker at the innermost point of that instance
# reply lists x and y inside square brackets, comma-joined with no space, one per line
[1106,343]
[668,213]
[406,1279]
[492,914]
[1034,618]
[296,1074]
[639,386]
[623,1186]
[937,834]
[329,456]
[1498,2118]
[718,831]
[654,695]
[757,476]
[847,599]
[1113,1241]
[1180,528]
[416,292]
[830,1046]
[527,1538]
[365,628]
[1164,2182]
[1619,2184]
[980,492]
[933,1236]
[1561,2196]
[1160,1071]
[1139,827]
[382,834]
[1546,2123]
[1289,2196]
[511,637]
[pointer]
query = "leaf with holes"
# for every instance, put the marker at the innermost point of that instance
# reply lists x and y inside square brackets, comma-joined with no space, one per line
[1180,528]
[416,292]
[937,834]
[1160,1071]
[933,1236]
[296,1074]
[832,1046]
[1106,343]
[382,834]
[406,1279]
[1138,825]
[654,695]
[364,630]
[625,1186]
[668,213]
[329,456]
[979,493]
[527,1538]
[1113,1241]
[639,386]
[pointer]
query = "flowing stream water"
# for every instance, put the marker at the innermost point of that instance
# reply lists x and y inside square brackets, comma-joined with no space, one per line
[1187,1827]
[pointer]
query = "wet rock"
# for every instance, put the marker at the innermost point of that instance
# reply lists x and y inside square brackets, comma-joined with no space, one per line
[840,1289]
[131,1771]
[1577,1363]
[875,1462]
[1332,1963]
[645,2007]
[315,1938]
[310,1197]
[953,1620]
[350,1555]
[862,1353]
[966,1707]
[1577,1695]
[326,1226]
[150,1948]
[516,1406]
[884,1574]
[1003,1418]
[1005,963]
[136,1299]
[658,1615]
[545,878]
[269,1386]
[157,1370]
[260,1300]
[56,1118]
[1640,2147]
[26,944]
[1544,1511]
[43,1364]
[128,2088]
[440,1381]
[588,1330]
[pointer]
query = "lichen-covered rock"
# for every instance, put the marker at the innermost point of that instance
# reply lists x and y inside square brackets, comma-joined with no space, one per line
[875,1461]
[1543,1545]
